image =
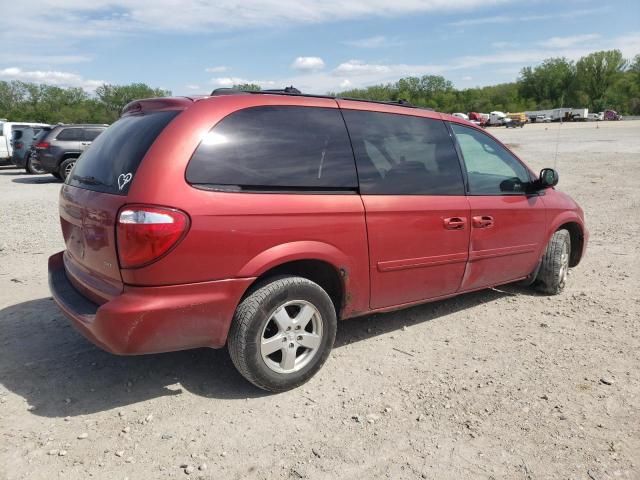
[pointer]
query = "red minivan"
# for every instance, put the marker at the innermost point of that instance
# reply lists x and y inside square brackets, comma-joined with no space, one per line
[256,220]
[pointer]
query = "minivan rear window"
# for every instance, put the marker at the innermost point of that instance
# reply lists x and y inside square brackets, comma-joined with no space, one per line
[276,148]
[114,156]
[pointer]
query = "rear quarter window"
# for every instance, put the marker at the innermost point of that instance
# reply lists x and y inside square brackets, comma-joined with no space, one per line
[70,135]
[117,152]
[90,134]
[276,148]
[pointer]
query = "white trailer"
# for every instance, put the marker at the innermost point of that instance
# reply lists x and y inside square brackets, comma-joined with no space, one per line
[557,114]
[579,114]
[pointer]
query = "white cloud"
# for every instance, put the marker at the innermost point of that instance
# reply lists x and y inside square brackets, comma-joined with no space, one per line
[227,82]
[308,64]
[467,78]
[378,41]
[527,18]
[482,21]
[218,69]
[25,58]
[192,87]
[564,42]
[78,18]
[346,83]
[50,77]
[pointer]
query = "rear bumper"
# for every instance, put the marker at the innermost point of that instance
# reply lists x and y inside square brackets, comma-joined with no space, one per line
[151,319]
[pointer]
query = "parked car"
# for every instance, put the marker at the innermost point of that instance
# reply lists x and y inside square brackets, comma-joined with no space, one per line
[258,220]
[542,119]
[30,160]
[6,132]
[463,116]
[58,151]
[22,142]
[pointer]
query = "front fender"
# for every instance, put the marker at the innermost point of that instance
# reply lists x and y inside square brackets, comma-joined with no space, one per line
[563,218]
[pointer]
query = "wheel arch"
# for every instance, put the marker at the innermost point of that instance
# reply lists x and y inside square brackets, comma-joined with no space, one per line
[577,233]
[319,262]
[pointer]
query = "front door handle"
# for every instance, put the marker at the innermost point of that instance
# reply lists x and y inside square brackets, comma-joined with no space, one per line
[455,223]
[482,221]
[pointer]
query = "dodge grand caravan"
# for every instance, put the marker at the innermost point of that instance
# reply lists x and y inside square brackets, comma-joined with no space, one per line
[256,221]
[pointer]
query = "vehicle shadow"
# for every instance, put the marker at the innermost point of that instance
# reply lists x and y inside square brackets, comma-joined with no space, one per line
[35,179]
[59,373]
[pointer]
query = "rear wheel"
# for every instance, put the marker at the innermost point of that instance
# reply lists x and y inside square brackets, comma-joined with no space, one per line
[282,333]
[66,167]
[33,166]
[552,276]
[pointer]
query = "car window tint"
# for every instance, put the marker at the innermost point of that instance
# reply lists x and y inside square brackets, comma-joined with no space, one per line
[117,152]
[70,134]
[403,154]
[276,147]
[491,169]
[90,134]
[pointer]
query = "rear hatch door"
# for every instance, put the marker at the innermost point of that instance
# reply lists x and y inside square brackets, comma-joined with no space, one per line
[93,194]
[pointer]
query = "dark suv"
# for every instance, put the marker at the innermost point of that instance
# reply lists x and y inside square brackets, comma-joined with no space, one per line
[258,220]
[59,150]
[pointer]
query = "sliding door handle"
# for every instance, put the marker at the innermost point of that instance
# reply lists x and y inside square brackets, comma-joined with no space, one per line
[455,223]
[482,221]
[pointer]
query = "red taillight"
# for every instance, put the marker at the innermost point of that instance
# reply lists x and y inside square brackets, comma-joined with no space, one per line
[43,145]
[145,234]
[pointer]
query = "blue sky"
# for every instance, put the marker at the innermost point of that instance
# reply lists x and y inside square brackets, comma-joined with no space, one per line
[194,47]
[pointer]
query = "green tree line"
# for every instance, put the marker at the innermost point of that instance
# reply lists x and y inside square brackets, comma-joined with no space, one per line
[22,101]
[597,81]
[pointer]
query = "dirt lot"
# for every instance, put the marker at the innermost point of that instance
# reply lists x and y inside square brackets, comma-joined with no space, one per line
[502,383]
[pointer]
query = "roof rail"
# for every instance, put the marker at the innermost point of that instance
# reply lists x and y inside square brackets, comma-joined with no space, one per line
[291,90]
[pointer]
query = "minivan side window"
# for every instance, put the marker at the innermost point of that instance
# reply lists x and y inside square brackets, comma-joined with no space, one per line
[403,154]
[491,169]
[276,147]
[70,135]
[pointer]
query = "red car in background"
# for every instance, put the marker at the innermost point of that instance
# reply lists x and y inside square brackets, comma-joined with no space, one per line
[257,220]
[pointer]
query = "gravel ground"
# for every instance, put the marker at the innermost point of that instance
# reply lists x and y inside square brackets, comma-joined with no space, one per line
[501,383]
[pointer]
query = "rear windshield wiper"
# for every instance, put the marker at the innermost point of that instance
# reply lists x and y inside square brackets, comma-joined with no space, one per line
[88,180]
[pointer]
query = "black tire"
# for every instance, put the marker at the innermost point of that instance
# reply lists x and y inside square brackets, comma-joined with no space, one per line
[552,276]
[256,313]
[66,166]
[57,175]
[33,166]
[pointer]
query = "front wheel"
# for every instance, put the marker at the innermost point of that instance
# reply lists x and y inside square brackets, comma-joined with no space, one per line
[552,276]
[282,333]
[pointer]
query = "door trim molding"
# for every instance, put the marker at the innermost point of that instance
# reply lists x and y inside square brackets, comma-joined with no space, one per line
[475,255]
[407,263]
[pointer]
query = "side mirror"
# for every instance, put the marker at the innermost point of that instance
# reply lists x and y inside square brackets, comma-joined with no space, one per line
[548,178]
